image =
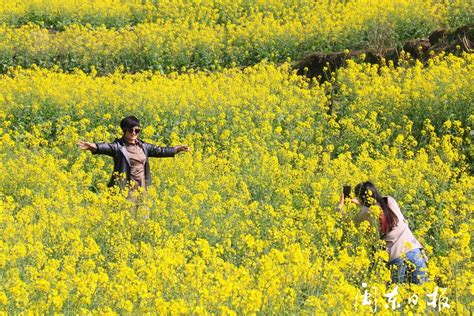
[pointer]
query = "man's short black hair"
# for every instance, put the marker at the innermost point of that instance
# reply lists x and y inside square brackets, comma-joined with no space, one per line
[129,122]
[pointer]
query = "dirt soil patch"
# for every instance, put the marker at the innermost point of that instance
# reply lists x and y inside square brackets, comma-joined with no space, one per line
[321,65]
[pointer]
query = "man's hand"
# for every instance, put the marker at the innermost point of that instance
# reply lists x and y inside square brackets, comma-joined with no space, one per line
[87,145]
[181,148]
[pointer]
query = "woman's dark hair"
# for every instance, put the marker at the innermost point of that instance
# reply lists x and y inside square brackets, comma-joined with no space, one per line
[129,122]
[368,194]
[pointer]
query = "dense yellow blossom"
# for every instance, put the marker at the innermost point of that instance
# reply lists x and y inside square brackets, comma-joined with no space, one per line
[246,222]
[175,34]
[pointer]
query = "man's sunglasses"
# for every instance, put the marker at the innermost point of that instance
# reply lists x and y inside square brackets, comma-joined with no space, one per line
[134,130]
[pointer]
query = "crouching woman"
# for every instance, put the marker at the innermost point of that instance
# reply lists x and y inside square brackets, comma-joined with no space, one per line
[407,261]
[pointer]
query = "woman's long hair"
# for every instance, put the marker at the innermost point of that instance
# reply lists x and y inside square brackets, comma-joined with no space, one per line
[367,194]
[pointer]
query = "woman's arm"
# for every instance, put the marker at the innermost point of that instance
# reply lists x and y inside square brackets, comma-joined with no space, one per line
[105,149]
[361,216]
[159,151]
[87,145]
[97,148]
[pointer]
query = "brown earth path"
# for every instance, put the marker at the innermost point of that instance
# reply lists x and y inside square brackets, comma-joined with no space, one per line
[321,65]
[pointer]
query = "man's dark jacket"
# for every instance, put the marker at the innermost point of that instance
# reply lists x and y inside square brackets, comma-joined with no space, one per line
[122,166]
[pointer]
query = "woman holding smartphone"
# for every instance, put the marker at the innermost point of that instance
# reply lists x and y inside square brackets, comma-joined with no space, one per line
[404,249]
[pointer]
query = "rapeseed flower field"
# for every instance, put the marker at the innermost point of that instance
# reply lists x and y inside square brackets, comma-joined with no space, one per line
[174,34]
[246,222]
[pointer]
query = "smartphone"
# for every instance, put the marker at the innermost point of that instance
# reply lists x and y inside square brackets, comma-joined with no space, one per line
[346,189]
